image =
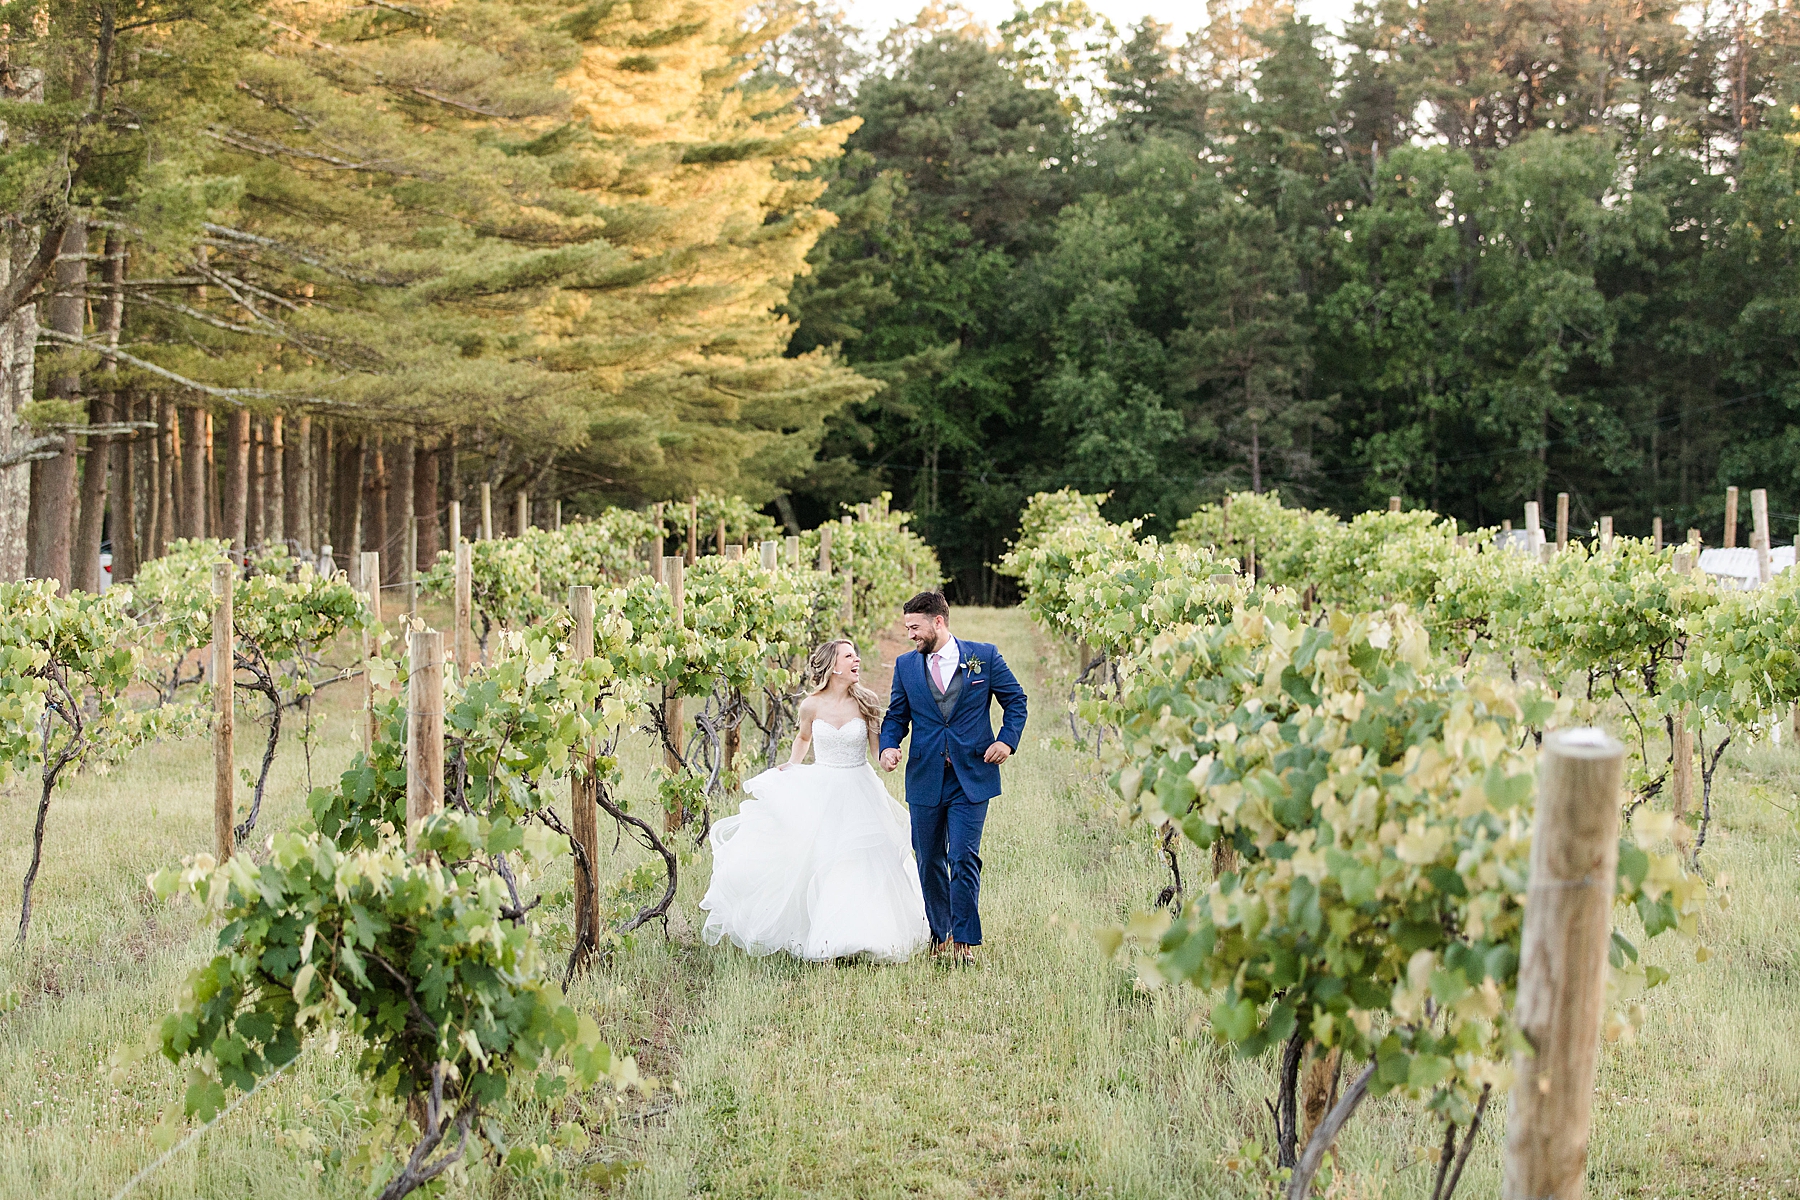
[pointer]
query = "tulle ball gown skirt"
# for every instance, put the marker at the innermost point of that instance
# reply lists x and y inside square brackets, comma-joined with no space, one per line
[818,863]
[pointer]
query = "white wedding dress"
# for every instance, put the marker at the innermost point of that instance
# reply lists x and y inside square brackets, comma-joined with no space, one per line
[818,862]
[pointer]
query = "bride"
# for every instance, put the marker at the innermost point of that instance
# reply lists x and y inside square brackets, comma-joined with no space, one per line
[819,862]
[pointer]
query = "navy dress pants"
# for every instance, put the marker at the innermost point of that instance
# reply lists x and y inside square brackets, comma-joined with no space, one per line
[947,843]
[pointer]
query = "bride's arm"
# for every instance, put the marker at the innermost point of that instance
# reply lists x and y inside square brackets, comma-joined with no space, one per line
[802,737]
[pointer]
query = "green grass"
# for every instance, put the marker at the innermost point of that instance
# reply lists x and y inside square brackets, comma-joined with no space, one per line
[1046,1072]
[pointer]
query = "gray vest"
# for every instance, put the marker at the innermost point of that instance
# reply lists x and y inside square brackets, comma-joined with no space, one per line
[946,700]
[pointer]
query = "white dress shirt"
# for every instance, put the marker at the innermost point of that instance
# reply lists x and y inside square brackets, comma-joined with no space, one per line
[943,663]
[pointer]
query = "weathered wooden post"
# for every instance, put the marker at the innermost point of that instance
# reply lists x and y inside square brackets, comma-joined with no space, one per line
[462,639]
[1656,533]
[1731,518]
[556,516]
[847,611]
[1562,968]
[487,511]
[1534,527]
[1393,504]
[825,549]
[693,542]
[1606,534]
[521,514]
[455,522]
[793,551]
[771,554]
[1562,521]
[370,564]
[224,672]
[673,572]
[584,819]
[424,730]
[656,542]
[734,553]
[1759,532]
[719,538]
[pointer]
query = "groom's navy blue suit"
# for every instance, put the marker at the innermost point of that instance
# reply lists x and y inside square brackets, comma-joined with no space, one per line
[948,785]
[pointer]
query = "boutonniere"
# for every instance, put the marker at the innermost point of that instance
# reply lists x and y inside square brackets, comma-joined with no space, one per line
[972,666]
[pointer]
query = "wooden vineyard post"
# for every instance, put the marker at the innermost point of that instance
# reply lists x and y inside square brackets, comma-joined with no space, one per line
[455,523]
[1534,527]
[424,730]
[1562,521]
[1731,518]
[1393,504]
[1606,534]
[1250,558]
[1656,533]
[487,511]
[521,514]
[584,819]
[719,538]
[672,714]
[693,542]
[1759,532]
[1562,964]
[370,564]
[793,552]
[656,543]
[771,553]
[825,549]
[462,638]
[223,680]
[734,553]
[848,611]
[556,517]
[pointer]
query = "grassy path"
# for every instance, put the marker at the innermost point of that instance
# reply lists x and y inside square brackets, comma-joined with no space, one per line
[1023,1077]
[1045,1073]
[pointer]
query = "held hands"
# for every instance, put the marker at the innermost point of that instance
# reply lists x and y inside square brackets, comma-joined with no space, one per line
[890,758]
[997,753]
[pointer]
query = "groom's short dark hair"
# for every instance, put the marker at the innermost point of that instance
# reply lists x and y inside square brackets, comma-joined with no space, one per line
[929,604]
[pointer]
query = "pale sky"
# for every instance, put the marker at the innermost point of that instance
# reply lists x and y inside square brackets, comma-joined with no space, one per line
[1186,15]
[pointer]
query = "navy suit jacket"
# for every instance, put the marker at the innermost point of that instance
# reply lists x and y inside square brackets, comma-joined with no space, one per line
[968,733]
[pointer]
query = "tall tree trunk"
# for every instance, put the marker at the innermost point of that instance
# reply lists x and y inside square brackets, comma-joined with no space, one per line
[401,460]
[215,518]
[425,506]
[275,483]
[97,488]
[194,461]
[150,476]
[234,503]
[324,482]
[375,515]
[168,507]
[254,526]
[297,479]
[96,478]
[19,250]
[346,529]
[125,499]
[53,481]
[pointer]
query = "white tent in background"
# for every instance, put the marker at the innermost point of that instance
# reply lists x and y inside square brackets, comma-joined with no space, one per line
[1739,565]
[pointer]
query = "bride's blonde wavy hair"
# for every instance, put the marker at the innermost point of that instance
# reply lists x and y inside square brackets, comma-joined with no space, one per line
[818,677]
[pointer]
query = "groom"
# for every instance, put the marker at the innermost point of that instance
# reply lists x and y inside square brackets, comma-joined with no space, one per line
[943,691]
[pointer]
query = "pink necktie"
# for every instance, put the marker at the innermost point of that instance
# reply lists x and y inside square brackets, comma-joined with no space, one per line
[943,673]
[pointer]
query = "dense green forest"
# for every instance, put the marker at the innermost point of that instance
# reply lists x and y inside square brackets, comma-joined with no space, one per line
[1467,253]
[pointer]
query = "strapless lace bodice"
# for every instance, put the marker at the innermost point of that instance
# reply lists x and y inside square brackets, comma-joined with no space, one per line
[841,747]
